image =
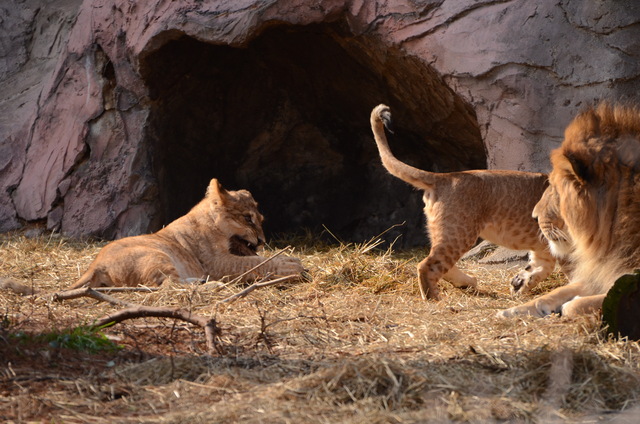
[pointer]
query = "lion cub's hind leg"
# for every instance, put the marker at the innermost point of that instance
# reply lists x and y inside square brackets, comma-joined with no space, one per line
[448,244]
[441,263]
[460,279]
[132,266]
[95,276]
[101,275]
[540,266]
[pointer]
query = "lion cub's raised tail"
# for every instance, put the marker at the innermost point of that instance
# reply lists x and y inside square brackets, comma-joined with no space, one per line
[381,118]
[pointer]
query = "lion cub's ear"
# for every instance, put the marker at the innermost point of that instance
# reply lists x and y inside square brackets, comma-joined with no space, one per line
[216,192]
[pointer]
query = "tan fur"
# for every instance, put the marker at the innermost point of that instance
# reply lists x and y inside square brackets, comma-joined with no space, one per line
[547,212]
[199,245]
[594,198]
[462,206]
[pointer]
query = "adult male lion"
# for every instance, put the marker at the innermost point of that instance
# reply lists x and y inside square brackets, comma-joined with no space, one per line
[591,210]
[217,238]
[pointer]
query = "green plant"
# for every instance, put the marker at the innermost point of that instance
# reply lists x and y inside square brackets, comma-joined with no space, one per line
[84,338]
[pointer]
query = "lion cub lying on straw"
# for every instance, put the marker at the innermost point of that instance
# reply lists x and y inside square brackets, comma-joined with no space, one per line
[591,211]
[462,206]
[218,238]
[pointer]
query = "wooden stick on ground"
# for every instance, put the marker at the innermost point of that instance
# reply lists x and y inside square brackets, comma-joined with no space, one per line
[90,292]
[140,311]
[133,310]
[126,289]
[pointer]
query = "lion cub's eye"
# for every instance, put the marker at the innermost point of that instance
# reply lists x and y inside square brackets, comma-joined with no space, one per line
[248,218]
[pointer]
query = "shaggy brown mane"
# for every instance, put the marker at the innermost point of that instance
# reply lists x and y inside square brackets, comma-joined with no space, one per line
[601,156]
[595,187]
[606,122]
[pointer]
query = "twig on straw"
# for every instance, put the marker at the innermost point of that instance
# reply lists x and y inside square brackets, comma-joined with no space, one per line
[90,292]
[254,286]
[126,289]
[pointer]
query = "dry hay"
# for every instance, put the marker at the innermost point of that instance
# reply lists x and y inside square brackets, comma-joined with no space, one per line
[355,343]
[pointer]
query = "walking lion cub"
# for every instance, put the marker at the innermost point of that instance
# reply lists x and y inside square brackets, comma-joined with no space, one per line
[462,206]
[218,238]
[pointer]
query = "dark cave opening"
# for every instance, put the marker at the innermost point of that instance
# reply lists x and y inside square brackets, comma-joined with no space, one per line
[287,117]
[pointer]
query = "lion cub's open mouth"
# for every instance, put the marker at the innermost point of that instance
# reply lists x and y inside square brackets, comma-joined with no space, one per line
[241,247]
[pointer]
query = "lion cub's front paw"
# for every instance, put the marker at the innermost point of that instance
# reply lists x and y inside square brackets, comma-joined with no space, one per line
[288,266]
[520,283]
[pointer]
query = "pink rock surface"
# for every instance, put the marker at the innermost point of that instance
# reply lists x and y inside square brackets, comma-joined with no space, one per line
[82,84]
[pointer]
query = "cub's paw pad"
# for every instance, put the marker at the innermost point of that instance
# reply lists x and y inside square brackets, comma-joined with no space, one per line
[520,284]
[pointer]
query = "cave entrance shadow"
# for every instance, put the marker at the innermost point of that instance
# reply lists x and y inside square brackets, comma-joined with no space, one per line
[287,117]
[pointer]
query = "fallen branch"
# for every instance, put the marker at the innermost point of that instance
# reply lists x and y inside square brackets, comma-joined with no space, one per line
[126,289]
[140,311]
[133,310]
[93,293]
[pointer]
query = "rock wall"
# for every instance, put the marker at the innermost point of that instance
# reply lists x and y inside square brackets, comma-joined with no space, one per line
[114,114]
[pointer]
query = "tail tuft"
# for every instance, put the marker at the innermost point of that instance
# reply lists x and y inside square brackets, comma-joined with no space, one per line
[381,118]
[383,113]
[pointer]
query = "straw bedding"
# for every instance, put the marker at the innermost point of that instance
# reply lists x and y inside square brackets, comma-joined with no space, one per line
[355,343]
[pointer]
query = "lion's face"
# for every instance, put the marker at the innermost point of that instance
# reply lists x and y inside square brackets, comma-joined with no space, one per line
[547,212]
[242,223]
[237,218]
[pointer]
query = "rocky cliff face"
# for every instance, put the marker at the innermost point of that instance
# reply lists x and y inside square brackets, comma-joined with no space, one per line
[114,114]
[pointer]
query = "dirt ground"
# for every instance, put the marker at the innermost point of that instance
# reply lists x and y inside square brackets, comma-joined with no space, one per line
[355,343]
